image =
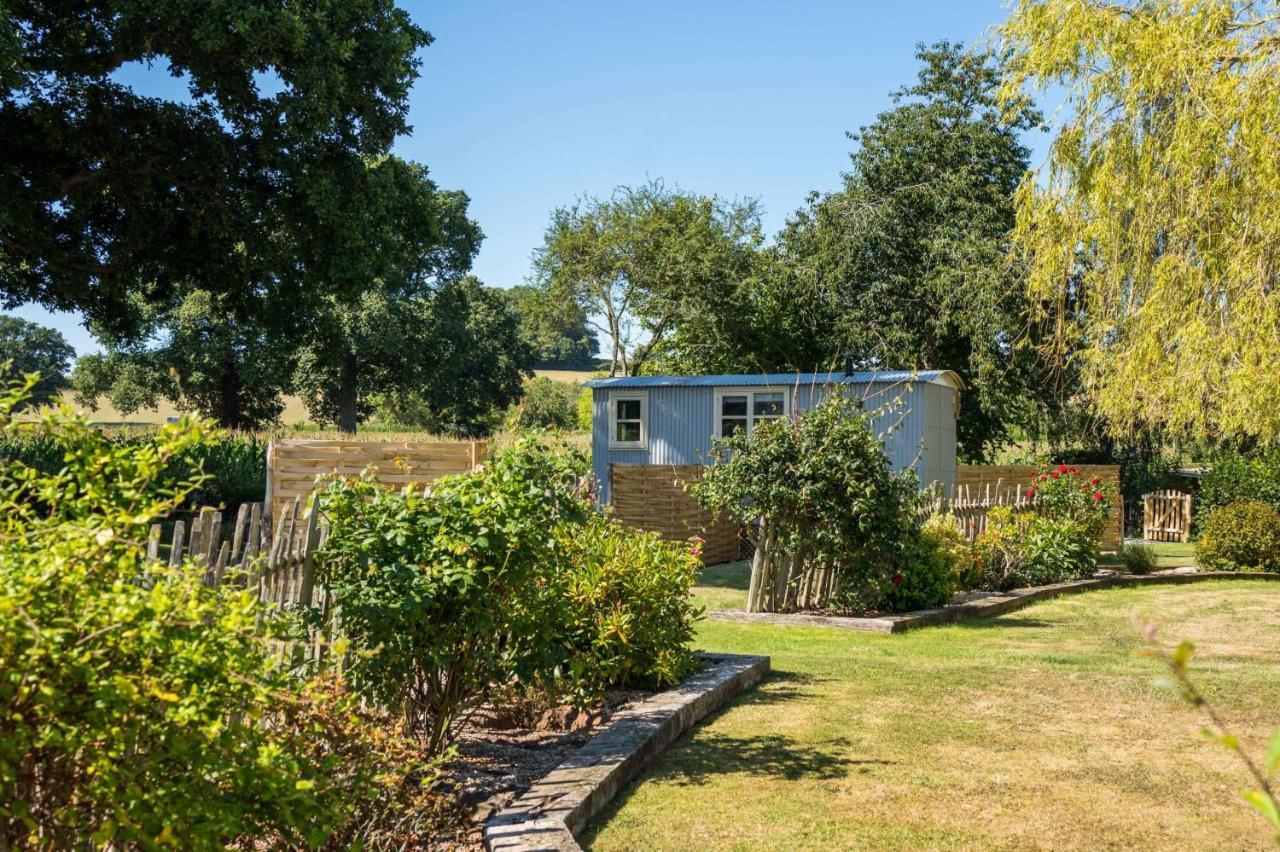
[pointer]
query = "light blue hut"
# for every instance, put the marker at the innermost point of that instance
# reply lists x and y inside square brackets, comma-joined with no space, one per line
[672,420]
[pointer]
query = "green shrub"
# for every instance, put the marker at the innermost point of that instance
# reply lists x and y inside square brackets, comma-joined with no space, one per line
[1233,478]
[131,696]
[925,580]
[626,617]
[546,404]
[830,521]
[442,592]
[1025,549]
[586,409]
[1137,558]
[1243,536]
[943,531]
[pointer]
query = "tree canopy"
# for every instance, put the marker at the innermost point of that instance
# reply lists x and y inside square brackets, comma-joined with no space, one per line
[26,347]
[906,265]
[1152,231]
[557,331]
[644,261]
[116,200]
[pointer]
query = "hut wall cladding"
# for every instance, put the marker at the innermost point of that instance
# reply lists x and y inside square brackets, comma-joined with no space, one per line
[293,465]
[978,476]
[650,497]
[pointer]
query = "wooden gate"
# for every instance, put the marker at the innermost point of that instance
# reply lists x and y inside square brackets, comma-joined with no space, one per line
[1166,516]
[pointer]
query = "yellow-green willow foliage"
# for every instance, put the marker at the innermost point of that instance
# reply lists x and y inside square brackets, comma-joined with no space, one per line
[1153,230]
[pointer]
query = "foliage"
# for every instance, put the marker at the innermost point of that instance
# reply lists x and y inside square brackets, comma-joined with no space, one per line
[26,347]
[556,331]
[1171,108]
[586,409]
[1233,477]
[1264,773]
[384,323]
[626,620]
[926,577]
[943,532]
[1063,493]
[116,200]
[828,518]
[1243,536]
[645,261]
[131,695]
[208,361]
[905,266]
[546,404]
[1025,549]
[440,590]
[1137,558]
[475,373]
[385,793]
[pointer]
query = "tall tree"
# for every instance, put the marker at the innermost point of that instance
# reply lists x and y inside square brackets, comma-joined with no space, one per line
[637,261]
[371,329]
[26,347]
[907,265]
[1152,231]
[557,331]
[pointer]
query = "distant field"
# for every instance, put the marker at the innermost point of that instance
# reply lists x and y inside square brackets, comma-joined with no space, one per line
[575,376]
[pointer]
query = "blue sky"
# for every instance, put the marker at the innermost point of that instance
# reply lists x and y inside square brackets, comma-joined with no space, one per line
[526,106]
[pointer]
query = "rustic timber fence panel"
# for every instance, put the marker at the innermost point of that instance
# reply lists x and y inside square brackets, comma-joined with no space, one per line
[652,497]
[976,478]
[1166,516]
[279,567]
[971,506]
[293,465]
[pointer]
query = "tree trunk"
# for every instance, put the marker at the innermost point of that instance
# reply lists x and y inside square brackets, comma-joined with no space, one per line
[230,414]
[347,394]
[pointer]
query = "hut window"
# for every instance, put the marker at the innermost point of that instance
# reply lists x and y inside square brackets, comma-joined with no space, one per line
[628,428]
[743,410]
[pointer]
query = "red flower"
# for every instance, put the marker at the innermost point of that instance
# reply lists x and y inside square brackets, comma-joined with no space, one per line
[1031,492]
[1072,469]
[897,579]
[1062,468]
[1033,473]
[1097,495]
[1094,481]
[1056,474]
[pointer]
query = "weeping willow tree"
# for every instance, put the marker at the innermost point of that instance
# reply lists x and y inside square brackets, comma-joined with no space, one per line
[1153,228]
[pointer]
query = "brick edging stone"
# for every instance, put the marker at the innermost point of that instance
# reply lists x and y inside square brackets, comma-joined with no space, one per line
[995,604]
[557,807]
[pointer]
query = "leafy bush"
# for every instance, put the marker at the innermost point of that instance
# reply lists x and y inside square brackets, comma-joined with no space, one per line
[1137,558]
[926,578]
[1025,549]
[546,404]
[943,532]
[1063,493]
[1243,536]
[131,695]
[1233,478]
[829,520]
[586,409]
[626,619]
[442,592]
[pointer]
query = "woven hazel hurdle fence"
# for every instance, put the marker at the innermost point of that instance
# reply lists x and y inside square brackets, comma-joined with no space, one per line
[293,465]
[652,497]
[278,566]
[1166,516]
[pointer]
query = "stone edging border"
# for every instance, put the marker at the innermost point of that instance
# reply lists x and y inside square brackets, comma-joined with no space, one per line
[996,604]
[558,806]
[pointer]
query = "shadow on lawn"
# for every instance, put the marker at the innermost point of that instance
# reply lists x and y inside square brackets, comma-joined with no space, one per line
[765,755]
[1004,622]
[727,575]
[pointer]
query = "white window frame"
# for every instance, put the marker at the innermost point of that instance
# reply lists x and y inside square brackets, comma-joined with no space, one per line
[643,398]
[749,392]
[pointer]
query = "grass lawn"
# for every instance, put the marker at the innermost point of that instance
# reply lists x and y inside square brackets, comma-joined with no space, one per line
[1040,729]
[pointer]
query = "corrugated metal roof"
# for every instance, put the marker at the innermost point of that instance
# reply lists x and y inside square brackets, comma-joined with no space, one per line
[879,377]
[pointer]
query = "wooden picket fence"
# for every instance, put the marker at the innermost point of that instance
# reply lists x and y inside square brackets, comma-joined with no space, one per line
[1166,516]
[279,566]
[972,506]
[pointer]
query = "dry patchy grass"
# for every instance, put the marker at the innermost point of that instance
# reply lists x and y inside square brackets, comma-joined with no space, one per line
[1041,729]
